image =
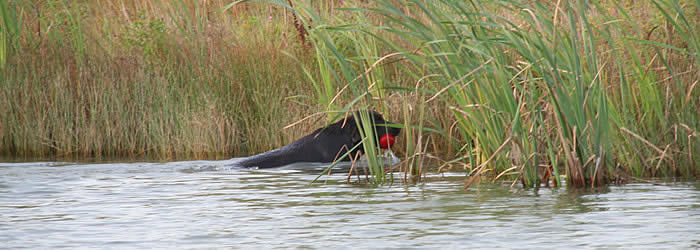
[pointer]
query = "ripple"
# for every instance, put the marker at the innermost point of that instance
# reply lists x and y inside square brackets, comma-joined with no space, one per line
[208,204]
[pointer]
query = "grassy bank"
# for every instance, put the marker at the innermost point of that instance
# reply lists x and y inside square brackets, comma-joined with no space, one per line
[146,79]
[597,91]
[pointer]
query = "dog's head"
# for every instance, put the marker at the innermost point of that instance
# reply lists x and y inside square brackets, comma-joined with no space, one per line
[384,131]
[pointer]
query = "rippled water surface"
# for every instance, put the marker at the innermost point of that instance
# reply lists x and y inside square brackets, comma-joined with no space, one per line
[206,204]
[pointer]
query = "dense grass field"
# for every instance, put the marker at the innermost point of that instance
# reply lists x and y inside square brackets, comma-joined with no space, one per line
[598,91]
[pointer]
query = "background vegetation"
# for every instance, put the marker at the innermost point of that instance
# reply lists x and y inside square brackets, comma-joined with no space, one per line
[598,90]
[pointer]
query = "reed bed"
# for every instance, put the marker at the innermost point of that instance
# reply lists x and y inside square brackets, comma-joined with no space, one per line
[520,91]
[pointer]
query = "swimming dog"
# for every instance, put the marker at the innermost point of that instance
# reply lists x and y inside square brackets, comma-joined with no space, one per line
[325,144]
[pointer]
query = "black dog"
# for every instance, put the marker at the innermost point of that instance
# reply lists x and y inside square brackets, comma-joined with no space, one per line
[324,144]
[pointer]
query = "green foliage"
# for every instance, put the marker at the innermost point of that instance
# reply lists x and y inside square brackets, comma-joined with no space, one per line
[146,34]
[9,29]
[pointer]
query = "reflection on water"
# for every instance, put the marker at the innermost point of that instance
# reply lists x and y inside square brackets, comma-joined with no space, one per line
[207,204]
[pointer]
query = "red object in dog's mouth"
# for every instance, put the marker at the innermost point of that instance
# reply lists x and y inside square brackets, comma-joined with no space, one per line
[386,141]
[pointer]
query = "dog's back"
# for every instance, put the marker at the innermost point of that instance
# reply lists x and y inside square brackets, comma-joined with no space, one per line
[324,145]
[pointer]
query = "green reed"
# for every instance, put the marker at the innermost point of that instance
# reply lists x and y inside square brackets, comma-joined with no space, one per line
[531,84]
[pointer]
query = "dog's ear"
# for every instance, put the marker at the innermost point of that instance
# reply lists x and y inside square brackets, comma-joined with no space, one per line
[378,118]
[352,128]
[355,136]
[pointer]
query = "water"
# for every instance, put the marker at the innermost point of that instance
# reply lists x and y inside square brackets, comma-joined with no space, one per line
[208,205]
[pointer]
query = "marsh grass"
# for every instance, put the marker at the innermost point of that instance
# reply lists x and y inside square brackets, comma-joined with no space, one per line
[147,79]
[520,91]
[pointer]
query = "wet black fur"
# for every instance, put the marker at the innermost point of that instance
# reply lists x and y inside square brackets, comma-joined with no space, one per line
[323,145]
